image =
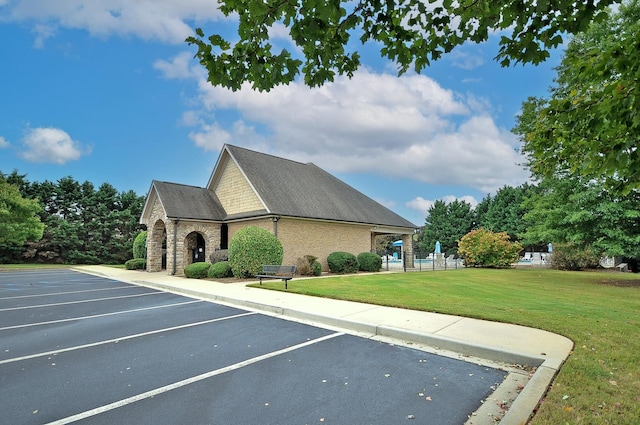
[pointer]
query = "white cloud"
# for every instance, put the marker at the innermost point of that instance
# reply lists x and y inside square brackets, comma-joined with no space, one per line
[180,67]
[465,60]
[51,145]
[162,20]
[422,205]
[211,137]
[4,143]
[407,127]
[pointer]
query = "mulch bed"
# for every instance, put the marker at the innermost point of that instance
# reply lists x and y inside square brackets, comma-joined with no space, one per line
[624,283]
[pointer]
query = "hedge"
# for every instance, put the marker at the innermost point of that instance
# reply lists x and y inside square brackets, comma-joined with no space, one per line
[369,262]
[220,270]
[343,262]
[197,270]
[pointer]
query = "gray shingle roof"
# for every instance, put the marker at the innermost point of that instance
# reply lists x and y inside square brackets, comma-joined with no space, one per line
[287,188]
[188,202]
[291,188]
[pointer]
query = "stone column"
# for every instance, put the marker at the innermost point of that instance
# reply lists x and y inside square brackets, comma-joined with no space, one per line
[407,246]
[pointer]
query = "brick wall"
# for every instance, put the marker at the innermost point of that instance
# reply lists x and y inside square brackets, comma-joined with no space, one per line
[307,237]
[301,237]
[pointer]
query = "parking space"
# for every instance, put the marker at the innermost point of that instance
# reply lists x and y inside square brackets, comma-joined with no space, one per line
[80,348]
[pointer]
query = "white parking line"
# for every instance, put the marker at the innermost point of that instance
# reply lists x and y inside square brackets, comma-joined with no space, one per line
[50,322]
[188,381]
[69,292]
[122,338]
[82,301]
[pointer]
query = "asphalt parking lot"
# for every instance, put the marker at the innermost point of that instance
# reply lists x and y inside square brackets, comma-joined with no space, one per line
[81,348]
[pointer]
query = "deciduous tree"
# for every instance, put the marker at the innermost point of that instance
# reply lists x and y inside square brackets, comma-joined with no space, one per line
[19,220]
[411,33]
[584,215]
[590,125]
[484,248]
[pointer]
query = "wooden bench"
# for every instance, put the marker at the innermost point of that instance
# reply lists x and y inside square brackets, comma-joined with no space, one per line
[270,271]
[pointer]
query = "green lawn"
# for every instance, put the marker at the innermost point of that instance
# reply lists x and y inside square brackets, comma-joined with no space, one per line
[599,311]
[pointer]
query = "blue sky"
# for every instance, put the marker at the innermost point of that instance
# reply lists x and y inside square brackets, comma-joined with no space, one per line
[107,91]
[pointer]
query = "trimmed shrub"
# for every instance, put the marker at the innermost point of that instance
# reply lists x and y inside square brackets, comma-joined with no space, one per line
[197,270]
[343,262]
[571,257]
[135,264]
[484,248]
[251,248]
[308,266]
[139,245]
[369,262]
[220,270]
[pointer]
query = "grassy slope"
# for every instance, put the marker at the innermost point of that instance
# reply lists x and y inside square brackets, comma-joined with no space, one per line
[600,382]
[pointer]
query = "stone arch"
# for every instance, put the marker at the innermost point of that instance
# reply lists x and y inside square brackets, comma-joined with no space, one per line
[157,246]
[186,240]
[195,248]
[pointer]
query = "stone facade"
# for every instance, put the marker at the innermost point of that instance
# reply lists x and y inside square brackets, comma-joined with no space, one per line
[170,242]
[156,237]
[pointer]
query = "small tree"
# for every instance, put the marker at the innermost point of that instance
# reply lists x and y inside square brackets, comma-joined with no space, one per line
[19,221]
[251,248]
[484,248]
[140,245]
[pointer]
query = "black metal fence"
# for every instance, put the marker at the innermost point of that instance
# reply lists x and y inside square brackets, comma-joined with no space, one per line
[420,261]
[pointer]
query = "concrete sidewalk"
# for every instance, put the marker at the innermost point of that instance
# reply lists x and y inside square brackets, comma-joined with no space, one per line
[469,338]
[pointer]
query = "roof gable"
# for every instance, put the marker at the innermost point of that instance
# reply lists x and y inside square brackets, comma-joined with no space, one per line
[184,202]
[291,188]
[233,189]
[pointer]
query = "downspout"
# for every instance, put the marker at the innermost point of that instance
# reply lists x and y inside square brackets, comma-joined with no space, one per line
[175,244]
[275,225]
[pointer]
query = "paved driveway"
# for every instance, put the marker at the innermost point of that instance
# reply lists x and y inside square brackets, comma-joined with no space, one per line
[75,347]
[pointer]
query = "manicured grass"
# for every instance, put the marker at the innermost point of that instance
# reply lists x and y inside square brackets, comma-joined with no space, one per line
[599,311]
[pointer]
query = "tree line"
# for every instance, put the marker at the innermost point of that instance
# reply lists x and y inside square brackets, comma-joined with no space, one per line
[580,219]
[447,223]
[79,223]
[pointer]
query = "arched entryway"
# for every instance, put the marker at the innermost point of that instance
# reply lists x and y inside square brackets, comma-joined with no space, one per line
[157,247]
[195,247]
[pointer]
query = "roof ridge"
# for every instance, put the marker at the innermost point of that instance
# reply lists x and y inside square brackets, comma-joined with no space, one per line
[179,184]
[268,154]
